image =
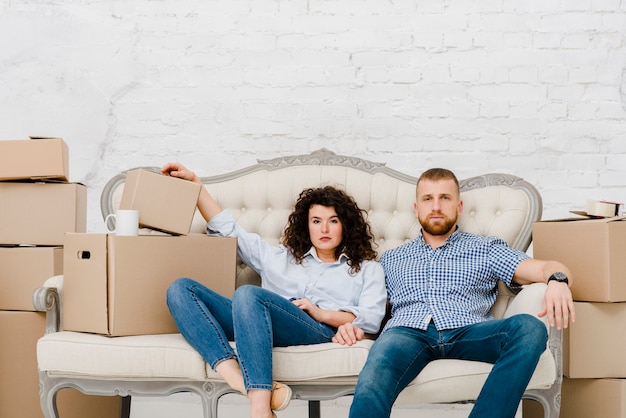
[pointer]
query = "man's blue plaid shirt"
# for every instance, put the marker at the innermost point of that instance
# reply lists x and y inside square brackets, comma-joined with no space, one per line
[454,285]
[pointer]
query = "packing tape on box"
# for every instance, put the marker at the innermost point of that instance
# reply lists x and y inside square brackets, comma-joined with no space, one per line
[603,209]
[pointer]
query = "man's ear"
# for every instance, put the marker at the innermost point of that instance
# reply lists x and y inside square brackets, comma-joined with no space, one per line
[459,209]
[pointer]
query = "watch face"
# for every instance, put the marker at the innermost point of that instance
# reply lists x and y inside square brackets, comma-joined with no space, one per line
[560,276]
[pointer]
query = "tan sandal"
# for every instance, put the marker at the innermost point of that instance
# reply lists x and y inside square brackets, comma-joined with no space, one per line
[281,395]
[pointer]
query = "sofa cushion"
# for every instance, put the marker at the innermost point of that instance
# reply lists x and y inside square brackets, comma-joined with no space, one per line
[146,357]
[169,356]
[444,381]
[328,362]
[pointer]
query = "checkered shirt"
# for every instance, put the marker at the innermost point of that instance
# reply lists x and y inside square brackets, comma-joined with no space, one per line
[453,285]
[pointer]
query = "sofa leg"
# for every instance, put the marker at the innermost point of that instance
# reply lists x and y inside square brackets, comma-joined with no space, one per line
[125,407]
[314,409]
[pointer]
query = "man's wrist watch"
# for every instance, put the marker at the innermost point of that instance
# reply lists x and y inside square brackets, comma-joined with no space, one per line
[558,276]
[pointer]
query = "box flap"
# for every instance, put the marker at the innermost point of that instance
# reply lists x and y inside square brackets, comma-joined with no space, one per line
[585,219]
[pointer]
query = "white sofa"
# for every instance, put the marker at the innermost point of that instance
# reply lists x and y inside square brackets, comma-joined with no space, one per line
[261,196]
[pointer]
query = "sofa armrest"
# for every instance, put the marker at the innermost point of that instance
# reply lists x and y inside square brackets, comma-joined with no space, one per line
[48,299]
[529,300]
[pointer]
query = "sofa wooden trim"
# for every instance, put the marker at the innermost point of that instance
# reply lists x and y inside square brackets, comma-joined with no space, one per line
[210,390]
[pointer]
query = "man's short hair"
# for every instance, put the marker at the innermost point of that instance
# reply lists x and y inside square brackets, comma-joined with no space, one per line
[436,174]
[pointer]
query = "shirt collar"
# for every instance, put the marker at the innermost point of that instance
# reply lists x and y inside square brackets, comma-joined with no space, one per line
[313,253]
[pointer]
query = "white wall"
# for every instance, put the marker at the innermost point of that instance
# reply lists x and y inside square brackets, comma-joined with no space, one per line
[533,88]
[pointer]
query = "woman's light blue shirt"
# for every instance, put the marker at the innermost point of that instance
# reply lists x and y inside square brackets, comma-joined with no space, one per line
[330,286]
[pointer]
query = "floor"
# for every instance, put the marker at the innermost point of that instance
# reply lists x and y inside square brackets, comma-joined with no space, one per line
[234,406]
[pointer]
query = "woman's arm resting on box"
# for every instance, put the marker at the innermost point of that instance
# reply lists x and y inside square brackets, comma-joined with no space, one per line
[207,206]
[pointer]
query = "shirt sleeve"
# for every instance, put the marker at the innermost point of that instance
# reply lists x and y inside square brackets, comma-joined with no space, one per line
[371,306]
[251,248]
[504,260]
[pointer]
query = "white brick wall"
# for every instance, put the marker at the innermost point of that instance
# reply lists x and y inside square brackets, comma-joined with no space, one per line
[533,88]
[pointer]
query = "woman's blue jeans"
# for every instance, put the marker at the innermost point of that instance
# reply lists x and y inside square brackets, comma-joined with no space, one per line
[512,345]
[256,319]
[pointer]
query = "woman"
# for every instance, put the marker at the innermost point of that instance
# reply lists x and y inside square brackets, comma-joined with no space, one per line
[321,277]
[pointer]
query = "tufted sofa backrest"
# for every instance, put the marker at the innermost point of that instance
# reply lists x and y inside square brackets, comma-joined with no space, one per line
[262,196]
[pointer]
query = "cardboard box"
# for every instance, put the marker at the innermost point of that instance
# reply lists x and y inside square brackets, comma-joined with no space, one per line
[19,380]
[593,249]
[23,270]
[586,398]
[116,285]
[34,159]
[41,213]
[164,203]
[593,346]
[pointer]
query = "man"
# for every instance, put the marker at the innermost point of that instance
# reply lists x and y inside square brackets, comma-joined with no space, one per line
[441,287]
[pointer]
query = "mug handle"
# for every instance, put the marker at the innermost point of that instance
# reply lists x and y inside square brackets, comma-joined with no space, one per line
[106,222]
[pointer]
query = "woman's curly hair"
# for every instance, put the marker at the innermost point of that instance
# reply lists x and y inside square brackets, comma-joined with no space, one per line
[357,239]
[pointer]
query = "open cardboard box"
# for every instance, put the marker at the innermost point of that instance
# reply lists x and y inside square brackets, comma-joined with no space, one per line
[34,159]
[593,249]
[116,285]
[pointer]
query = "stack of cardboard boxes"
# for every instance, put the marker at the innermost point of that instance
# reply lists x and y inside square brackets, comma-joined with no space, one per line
[37,207]
[595,373]
[116,285]
[113,285]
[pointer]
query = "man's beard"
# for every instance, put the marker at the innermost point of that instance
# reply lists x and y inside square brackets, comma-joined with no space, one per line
[439,228]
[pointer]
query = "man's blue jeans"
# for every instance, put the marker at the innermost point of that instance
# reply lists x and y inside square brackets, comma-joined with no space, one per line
[512,345]
[256,319]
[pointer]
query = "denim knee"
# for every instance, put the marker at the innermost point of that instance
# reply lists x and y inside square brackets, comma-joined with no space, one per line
[246,293]
[177,289]
[532,328]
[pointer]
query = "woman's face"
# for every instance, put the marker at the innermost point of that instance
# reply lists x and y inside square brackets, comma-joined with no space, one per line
[325,229]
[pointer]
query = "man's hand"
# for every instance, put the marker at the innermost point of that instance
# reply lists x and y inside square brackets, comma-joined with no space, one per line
[348,334]
[558,305]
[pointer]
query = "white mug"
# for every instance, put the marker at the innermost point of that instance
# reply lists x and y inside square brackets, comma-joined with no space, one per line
[126,222]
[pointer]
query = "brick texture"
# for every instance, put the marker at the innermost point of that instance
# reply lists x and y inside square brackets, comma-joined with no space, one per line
[536,89]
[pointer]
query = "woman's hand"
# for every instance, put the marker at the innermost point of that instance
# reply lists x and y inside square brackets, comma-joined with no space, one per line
[180,171]
[207,206]
[310,308]
[332,318]
[348,334]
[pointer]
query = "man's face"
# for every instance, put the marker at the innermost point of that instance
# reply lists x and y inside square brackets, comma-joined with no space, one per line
[438,206]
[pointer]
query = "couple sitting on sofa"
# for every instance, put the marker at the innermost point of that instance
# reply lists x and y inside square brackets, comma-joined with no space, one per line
[323,284]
